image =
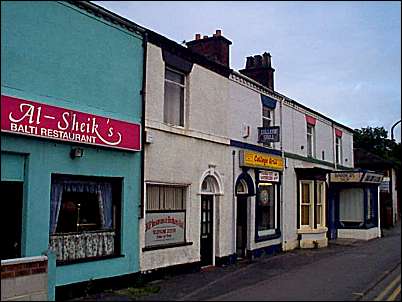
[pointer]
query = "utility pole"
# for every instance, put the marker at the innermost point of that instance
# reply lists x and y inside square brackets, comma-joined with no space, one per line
[392,129]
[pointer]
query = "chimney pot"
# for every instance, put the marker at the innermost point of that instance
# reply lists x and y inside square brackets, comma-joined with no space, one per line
[258,60]
[218,32]
[197,36]
[249,62]
[205,37]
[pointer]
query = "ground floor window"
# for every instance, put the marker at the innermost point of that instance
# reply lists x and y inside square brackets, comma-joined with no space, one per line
[312,203]
[165,217]
[85,217]
[267,204]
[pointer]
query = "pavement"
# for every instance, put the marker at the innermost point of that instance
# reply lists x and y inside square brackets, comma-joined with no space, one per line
[225,281]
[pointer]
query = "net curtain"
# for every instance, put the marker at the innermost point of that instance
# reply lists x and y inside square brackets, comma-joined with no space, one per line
[103,191]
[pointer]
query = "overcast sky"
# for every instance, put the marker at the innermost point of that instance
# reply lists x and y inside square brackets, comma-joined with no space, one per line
[342,59]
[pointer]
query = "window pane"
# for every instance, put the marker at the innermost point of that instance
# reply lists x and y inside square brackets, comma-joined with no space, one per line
[305,193]
[305,215]
[174,76]
[266,122]
[319,213]
[153,198]
[266,112]
[174,104]
[351,205]
[266,209]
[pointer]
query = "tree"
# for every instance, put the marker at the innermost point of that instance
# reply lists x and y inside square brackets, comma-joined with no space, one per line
[375,140]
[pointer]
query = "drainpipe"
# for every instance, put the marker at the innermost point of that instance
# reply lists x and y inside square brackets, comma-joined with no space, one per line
[378,212]
[333,147]
[233,203]
[143,139]
[283,174]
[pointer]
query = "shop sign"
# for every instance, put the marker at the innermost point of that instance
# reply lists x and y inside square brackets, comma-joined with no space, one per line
[384,186]
[268,134]
[269,176]
[260,160]
[164,228]
[372,178]
[346,176]
[41,120]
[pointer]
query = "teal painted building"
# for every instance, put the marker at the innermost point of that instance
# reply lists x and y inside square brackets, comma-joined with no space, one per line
[83,209]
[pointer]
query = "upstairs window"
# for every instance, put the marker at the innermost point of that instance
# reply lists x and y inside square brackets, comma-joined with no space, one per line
[173,110]
[267,120]
[310,140]
[338,150]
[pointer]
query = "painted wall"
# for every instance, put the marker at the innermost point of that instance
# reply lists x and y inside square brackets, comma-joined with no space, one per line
[54,53]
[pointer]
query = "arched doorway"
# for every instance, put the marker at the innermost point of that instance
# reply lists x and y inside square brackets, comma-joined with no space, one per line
[209,189]
[244,188]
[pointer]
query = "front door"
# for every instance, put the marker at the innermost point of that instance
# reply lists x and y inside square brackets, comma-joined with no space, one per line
[241,226]
[206,240]
[11,219]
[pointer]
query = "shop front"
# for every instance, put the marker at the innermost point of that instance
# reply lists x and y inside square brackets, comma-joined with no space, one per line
[258,204]
[354,199]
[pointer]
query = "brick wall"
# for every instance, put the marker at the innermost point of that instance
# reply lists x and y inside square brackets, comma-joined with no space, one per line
[24,279]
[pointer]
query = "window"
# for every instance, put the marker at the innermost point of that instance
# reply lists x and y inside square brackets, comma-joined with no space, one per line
[174,97]
[84,220]
[267,209]
[306,203]
[351,207]
[267,120]
[338,149]
[312,204]
[320,203]
[165,215]
[310,141]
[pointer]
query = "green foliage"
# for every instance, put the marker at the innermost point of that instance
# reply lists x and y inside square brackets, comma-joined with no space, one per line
[375,140]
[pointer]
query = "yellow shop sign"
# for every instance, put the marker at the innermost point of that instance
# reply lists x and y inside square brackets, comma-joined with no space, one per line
[260,160]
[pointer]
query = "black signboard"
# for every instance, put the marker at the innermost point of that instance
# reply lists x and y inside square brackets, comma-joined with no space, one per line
[268,134]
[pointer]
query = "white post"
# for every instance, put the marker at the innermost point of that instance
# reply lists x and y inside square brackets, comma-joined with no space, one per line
[379,212]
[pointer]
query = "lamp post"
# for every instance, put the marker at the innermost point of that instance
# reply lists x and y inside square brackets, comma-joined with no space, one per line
[392,129]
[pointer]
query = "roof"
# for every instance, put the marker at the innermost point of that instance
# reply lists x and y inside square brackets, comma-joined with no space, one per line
[180,50]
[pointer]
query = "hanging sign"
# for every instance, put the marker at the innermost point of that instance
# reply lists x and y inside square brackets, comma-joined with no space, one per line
[41,120]
[268,134]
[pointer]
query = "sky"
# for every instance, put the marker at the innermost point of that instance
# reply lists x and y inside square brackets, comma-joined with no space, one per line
[342,59]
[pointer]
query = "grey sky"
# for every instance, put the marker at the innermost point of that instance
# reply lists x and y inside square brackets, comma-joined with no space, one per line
[342,59]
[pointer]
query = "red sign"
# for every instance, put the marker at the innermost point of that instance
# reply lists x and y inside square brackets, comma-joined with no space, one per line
[35,119]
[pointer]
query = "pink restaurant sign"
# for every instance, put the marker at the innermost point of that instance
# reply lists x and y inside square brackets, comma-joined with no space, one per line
[35,119]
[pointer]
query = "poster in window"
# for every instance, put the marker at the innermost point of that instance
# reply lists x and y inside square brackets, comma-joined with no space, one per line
[164,228]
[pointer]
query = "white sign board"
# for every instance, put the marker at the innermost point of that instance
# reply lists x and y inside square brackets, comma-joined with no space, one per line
[164,228]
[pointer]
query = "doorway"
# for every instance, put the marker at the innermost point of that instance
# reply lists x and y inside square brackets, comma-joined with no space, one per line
[241,227]
[11,219]
[206,240]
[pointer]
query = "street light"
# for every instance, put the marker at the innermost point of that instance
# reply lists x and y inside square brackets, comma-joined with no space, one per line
[392,129]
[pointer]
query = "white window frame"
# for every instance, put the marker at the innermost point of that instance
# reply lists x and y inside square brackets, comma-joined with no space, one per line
[270,119]
[310,204]
[338,150]
[321,202]
[184,94]
[310,143]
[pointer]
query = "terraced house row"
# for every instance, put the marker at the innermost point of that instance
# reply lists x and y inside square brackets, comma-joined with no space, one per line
[125,153]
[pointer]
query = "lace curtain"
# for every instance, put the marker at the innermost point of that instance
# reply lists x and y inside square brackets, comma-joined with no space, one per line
[104,195]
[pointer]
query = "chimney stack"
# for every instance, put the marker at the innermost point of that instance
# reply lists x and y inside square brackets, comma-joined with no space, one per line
[215,48]
[259,69]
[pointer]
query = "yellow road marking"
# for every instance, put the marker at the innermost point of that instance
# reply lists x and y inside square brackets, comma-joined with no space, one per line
[387,289]
[394,293]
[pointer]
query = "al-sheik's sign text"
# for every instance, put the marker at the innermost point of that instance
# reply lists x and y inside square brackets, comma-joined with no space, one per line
[41,120]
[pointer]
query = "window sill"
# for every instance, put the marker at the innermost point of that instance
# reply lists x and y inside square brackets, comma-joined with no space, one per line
[268,237]
[82,260]
[165,246]
[312,231]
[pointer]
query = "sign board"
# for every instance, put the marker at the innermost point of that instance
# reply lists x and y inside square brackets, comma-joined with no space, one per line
[268,134]
[41,120]
[372,178]
[269,176]
[164,228]
[346,176]
[260,160]
[384,186]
